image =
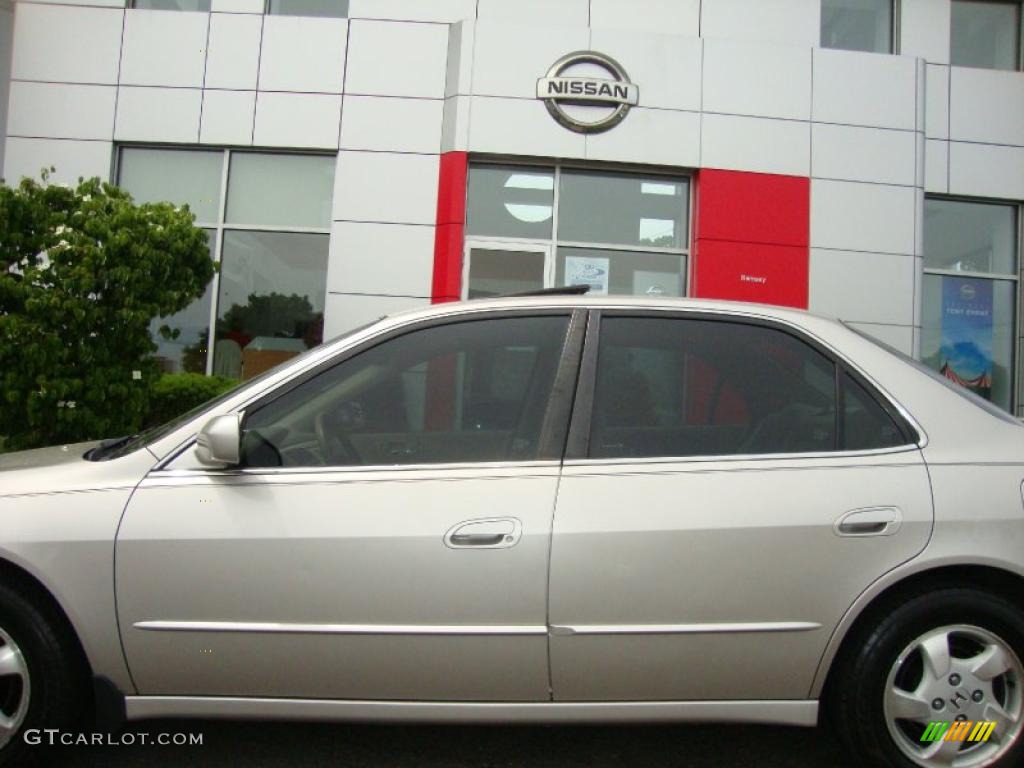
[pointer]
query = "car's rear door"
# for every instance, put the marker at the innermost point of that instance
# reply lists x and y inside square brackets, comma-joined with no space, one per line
[715,517]
[386,538]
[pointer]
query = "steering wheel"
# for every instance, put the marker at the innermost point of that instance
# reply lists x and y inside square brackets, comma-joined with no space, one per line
[335,445]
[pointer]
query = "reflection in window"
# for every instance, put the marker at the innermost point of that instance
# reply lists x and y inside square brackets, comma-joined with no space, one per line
[857,25]
[335,8]
[271,301]
[985,34]
[970,237]
[186,349]
[510,202]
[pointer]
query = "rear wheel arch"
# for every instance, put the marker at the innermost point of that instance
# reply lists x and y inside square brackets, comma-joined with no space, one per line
[995,581]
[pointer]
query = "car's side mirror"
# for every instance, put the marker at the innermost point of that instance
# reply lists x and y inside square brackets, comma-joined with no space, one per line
[218,443]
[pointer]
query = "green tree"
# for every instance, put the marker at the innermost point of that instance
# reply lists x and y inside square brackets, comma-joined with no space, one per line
[84,271]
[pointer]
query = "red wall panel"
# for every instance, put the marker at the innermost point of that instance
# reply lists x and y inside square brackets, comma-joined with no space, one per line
[451,220]
[751,235]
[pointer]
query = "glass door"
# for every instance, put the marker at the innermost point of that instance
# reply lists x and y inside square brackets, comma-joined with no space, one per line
[502,268]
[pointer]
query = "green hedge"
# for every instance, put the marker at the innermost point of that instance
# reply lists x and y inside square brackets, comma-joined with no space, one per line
[175,393]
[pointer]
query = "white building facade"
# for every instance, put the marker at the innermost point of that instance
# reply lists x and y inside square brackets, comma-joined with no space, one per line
[860,158]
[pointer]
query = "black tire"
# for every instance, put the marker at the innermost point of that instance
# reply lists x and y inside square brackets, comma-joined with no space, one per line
[857,690]
[57,681]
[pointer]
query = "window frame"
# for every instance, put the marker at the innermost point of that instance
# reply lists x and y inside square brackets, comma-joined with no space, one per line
[552,242]
[221,226]
[554,426]
[895,33]
[578,444]
[1016,366]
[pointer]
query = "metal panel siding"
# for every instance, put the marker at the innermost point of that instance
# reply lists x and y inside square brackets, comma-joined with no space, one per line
[451,218]
[751,236]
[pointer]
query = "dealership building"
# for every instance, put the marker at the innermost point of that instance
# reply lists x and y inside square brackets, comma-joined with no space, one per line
[863,159]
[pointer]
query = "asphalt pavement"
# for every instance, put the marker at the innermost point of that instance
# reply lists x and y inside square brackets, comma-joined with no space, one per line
[305,745]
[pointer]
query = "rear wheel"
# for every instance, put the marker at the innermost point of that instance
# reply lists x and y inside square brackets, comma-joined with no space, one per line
[42,684]
[928,680]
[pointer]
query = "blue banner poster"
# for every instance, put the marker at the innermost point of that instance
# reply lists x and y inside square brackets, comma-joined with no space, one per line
[966,348]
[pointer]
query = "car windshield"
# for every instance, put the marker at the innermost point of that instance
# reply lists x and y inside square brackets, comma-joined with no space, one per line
[122,446]
[971,397]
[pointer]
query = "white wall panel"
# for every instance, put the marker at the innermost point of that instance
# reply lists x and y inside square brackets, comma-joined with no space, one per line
[303,53]
[510,58]
[455,124]
[866,287]
[395,259]
[396,59]
[755,144]
[924,29]
[164,48]
[668,17]
[864,89]
[234,51]
[655,136]
[445,11]
[345,311]
[986,170]
[936,119]
[986,105]
[899,336]
[544,12]
[520,127]
[227,117]
[386,187]
[238,6]
[936,166]
[50,110]
[666,68]
[72,159]
[862,217]
[157,114]
[744,78]
[458,76]
[791,22]
[82,45]
[309,120]
[391,124]
[863,154]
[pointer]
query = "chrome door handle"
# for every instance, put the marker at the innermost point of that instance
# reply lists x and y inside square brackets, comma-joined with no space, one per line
[492,533]
[873,521]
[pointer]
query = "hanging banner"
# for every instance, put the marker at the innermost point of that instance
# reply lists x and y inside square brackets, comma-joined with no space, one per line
[967,322]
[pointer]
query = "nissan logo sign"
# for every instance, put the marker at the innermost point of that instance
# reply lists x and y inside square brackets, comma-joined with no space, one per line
[572,96]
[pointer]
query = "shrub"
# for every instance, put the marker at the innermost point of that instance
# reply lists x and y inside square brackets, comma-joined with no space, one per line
[83,271]
[175,393]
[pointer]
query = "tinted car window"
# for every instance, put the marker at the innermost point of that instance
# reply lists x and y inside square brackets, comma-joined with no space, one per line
[467,391]
[678,387]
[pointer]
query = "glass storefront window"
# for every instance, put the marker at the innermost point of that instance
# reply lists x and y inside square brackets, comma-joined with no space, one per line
[270,305]
[510,202]
[985,34]
[335,8]
[621,272]
[969,302]
[620,233]
[857,25]
[597,207]
[269,233]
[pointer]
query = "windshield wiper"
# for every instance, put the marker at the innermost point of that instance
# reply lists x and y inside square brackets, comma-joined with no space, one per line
[107,446]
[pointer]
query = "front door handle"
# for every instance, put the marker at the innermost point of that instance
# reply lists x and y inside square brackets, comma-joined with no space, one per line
[873,521]
[491,533]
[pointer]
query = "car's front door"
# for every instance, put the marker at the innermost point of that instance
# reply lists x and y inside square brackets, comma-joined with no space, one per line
[734,491]
[386,537]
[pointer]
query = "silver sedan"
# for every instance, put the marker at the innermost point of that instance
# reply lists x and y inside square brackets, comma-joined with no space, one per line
[549,509]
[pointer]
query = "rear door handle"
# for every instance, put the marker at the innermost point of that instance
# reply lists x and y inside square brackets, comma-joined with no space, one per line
[872,521]
[490,533]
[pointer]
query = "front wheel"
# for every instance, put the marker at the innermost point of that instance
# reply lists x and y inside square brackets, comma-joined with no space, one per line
[939,683]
